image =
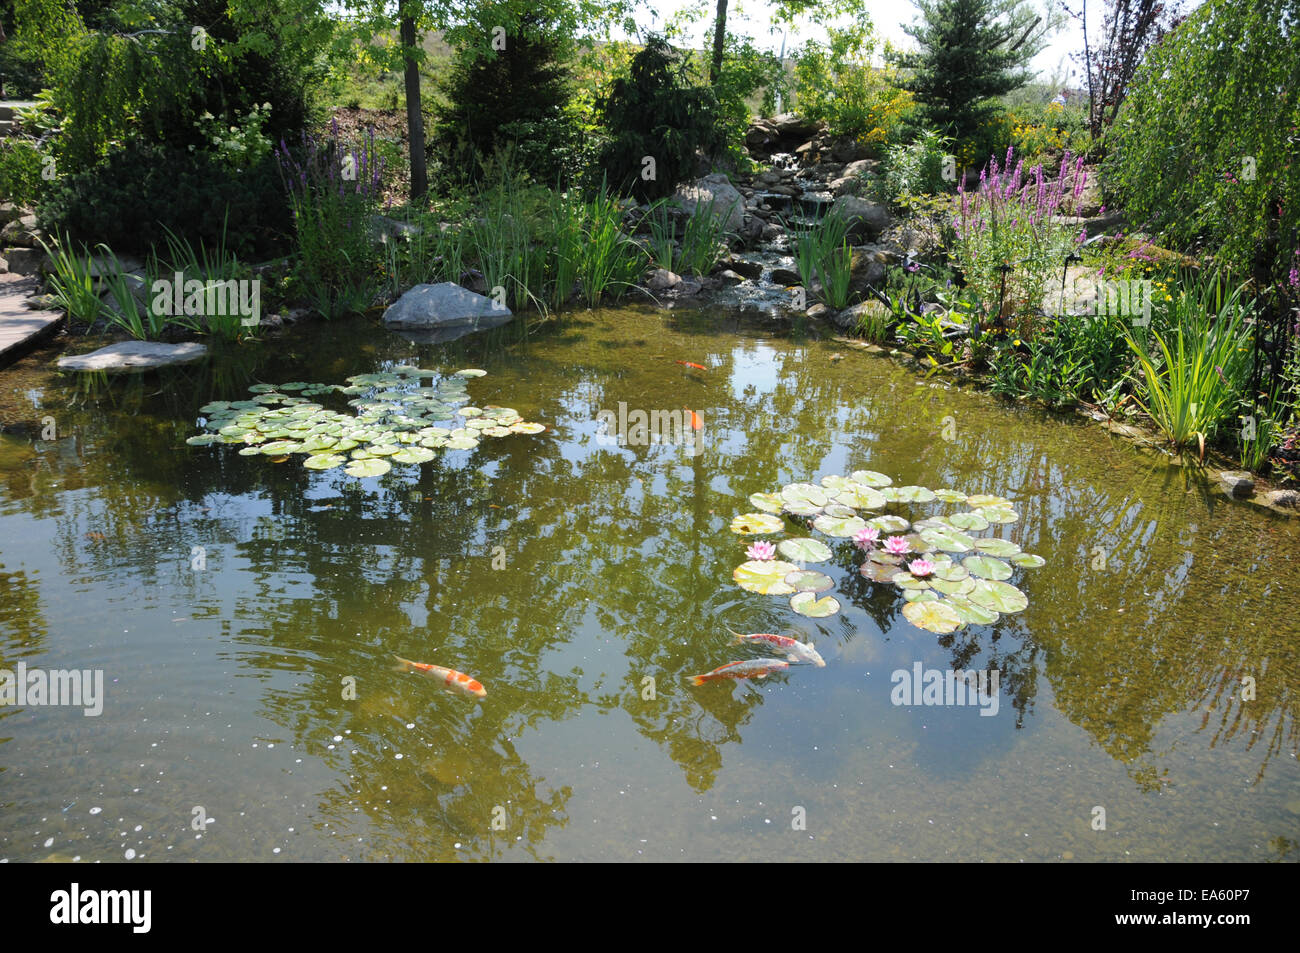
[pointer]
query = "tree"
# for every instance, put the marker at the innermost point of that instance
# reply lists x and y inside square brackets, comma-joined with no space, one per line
[970,51]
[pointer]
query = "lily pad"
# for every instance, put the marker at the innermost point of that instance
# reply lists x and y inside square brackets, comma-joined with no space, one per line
[324,461]
[905,580]
[804,550]
[950,496]
[767,502]
[977,500]
[877,571]
[202,440]
[969,612]
[935,616]
[953,541]
[527,426]
[860,497]
[461,443]
[889,523]
[871,478]
[806,493]
[753,524]
[969,521]
[986,567]
[995,546]
[809,580]
[999,514]
[469,372]
[765,576]
[807,604]
[414,455]
[368,468]
[953,587]
[1027,560]
[277,447]
[999,596]
[920,595]
[913,494]
[842,527]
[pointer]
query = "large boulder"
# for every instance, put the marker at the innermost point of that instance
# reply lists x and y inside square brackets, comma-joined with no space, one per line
[866,219]
[443,312]
[134,356]
[728,203]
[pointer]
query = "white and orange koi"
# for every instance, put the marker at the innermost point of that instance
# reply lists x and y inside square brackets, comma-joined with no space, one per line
[452,679]
[792,649]
[750,668]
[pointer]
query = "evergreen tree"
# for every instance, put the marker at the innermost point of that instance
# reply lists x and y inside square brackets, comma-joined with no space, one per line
[970,51]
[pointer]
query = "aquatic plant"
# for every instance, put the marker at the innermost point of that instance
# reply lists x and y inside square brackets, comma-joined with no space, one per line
[761,550]
[958,579]
[397,420]
[73,280]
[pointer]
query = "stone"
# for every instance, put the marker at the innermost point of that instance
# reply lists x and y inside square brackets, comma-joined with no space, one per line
[1238,483]
[771,232]
[661,279]
[20,231]
[865,219]
[791,124]
[1289,499]
[9,212]
[134,356]
[849,185]
[443,312]
[752,229]
[748,269]
[728,204]
[849,318]
[689,286]
[819,310]
[867,270]
[858,167]
[785,277]
[729,277]
[26,261]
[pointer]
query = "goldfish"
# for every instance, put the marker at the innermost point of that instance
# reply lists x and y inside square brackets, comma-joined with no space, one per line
[751,668]
[793,649]
[698,367]
[450,677]
[697,423]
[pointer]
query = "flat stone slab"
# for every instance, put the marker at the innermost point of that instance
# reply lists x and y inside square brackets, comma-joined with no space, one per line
[134,356]
[19,324]
[431,311]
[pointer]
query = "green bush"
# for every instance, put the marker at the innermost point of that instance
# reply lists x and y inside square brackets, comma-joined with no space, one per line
[129,200]
[914,169]
[20,172]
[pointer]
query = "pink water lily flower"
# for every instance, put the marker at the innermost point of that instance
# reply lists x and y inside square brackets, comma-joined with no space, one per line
[897,545]
[761,550]
[920,568]
[866,537]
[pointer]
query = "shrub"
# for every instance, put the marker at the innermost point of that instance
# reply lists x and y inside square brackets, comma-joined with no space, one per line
[838,86]
[20,172]
[914,169]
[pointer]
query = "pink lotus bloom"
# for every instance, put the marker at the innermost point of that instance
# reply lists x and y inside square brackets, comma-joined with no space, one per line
[897,545]
[761,550]
[920,568]
[866,537]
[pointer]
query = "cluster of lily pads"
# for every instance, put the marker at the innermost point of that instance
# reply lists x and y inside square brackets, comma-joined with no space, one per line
[948,576]
[398,418]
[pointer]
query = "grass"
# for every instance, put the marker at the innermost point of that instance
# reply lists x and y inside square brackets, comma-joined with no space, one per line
[74,285]
[824,251]
[611,262]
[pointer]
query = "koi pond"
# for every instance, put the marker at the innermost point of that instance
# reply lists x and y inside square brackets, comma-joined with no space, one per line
[1031,640]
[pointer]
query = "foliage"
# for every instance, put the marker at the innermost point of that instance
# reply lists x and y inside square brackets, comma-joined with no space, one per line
[1202,150]
[701,244]
[822,251]
[970,51]
[914,169]
[241,145]
[129,200]
[72,281]
[1044,132]
[747,73]
[20,172]
[657,119]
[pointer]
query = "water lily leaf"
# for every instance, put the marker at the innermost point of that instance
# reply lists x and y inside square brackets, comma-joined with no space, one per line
[368,468]
[214,406]
[261,388]
[834,484]
[998,514]
[805,493]
[764,576]
[470,372]
[804,550]
[269,398]
[953,587]
[950,496]
[383,449]
[527,426]
[461,443]
[931,522]
[497,431]
[317,443]
[995,546]
[935,616]
[950,572]
[987,567]
[920,595]
[808,580]
[970,521]
[767,502]
[913,494]
[751,524]
[202,440]
[414,455]
[842,527]
[871,478]
[362,453]
[1027,560]
[1000,596]
[324,461]
[905,580]
[877,571]
[860,496]
[471,412]
[889,523]
[807,604]
[250,451]
[978,500]
[838,510]
[969,612]
[801,508]
[277,447]
[953,540]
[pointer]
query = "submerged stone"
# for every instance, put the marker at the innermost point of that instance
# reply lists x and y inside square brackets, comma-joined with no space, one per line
[443,312]
[134,356]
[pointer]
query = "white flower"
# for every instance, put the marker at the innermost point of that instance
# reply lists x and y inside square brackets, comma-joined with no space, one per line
[266,106]
[207,115]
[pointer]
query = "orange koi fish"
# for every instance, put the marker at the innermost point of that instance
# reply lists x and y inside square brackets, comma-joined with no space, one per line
[751,668]
[792,649]
[450,677]
[698,367]
[697,422]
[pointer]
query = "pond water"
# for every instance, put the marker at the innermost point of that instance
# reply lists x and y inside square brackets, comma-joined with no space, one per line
[563,573]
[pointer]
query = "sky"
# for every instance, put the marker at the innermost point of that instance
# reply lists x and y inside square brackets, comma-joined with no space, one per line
[888,16]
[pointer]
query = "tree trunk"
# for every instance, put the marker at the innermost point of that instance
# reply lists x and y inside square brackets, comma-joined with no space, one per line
[719,34]
[414,116]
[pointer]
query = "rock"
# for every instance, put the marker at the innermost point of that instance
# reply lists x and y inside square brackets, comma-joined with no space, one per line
[689,286]
[443,312]
[661,279]
[785,277]
[20,231]
[866,219]
[819,310]
[752,229]
[728,204]
[805,151]
[26,261]
[9,212]
[729,277]
[748,269]
[849,185]
[859,168]
[1238,483]
[791,124]
[771,232]
[134,356]
[867,269]
[108,265]
[1289,499]
[850,318]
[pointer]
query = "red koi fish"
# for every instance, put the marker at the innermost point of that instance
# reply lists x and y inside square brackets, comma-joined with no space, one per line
[697,422]
[453,679]
[698,367]
[752,668]
[792,649]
